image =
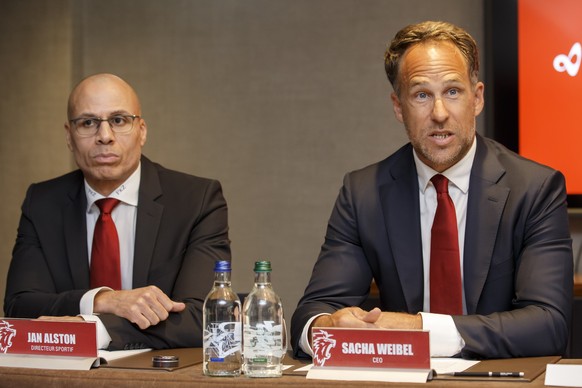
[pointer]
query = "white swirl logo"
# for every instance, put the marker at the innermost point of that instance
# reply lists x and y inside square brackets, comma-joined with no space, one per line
[565,62]
[6,335]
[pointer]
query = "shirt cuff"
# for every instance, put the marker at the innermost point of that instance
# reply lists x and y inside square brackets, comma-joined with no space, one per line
[444,338]
[86,312]
[86,303]
[304,340]
[103,338]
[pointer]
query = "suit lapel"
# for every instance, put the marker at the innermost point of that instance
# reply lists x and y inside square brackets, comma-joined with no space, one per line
[149,216]
[485,207]
[75,231]
[400,208]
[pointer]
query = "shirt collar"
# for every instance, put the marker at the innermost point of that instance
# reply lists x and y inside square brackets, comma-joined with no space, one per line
[127,192]
[458,174]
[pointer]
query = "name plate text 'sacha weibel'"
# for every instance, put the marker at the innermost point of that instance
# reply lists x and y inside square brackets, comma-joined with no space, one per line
[370,348]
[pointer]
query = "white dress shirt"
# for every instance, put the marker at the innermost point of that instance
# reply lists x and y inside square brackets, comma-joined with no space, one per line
[445,340]
[124,216]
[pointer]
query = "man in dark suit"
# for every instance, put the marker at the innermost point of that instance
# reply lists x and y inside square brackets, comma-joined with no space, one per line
[172,227]
[514,244]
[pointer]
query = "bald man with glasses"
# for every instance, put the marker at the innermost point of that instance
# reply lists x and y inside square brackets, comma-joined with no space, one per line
[169,229]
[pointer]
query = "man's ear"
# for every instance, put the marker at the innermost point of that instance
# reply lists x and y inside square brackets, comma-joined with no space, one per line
[143,128]
[479,98]
[68,136]
[397,106]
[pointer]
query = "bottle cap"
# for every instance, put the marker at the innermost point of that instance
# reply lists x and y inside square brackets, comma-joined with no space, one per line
[222,266]
[262,266]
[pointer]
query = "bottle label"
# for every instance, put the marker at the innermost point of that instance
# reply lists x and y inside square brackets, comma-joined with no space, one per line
[222,339]
[263,339]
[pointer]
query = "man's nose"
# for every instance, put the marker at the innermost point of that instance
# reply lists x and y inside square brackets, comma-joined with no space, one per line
[439,111]
[104,132]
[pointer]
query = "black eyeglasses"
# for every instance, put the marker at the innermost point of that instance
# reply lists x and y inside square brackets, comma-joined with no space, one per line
[89,126]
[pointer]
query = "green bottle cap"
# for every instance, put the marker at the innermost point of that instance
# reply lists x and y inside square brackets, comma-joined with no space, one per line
[262,266]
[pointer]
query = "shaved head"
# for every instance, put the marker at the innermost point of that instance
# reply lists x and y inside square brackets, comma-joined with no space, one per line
[102,80]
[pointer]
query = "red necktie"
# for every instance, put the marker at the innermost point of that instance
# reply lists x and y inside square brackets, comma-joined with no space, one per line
[105,269]
[445,273]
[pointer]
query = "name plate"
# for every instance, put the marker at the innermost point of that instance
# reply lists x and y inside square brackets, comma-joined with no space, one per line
[48,338]
[370,348]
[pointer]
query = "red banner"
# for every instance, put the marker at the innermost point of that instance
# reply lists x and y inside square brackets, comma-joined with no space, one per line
[370,348]
[48,338]
[550,52]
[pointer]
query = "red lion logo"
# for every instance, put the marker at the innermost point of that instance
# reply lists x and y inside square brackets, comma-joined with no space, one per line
[322,345]
[6,334]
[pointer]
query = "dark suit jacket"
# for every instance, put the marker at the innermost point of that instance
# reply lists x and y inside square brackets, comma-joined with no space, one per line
[517,260]
[181,230]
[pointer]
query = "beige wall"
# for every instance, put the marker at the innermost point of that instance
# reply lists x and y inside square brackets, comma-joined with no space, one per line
[35,76]
[276,98]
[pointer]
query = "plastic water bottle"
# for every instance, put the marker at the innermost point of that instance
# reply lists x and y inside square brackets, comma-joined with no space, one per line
[264,336]
[222,326]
